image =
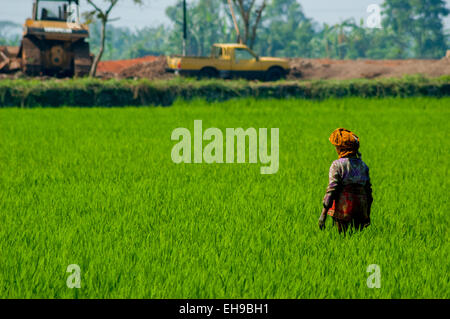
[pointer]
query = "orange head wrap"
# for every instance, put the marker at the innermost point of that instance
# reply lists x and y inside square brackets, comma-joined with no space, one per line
[347,141]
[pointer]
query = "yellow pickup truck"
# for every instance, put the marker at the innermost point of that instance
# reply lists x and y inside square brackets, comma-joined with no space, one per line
[230,60]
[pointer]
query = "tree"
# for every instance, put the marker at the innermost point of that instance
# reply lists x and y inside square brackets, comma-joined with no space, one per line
[10,33]
[285,30]
[417,22]
[250,19]
[149,41]
[103,16]
[207,24]
[428,29]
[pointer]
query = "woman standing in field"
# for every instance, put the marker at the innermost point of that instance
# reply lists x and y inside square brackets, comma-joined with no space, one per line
[349,194]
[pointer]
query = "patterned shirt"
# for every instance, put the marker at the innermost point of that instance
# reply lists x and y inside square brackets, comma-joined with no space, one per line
[345,171]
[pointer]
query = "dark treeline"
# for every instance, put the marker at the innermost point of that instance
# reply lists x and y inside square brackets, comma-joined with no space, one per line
[409,29]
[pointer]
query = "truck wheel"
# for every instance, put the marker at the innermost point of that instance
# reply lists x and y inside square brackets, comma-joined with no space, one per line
[275,74]
[207,73]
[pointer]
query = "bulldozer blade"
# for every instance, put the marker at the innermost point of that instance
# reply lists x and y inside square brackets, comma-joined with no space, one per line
[4,61]
[9,60]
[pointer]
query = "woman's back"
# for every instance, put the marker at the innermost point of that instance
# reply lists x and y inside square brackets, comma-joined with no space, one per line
[349,170]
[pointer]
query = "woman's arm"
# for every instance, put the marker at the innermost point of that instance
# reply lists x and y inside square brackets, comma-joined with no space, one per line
[369,196]
[368,188]
[331,194]
[323,218]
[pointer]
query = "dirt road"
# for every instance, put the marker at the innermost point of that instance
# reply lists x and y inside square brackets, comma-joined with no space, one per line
[153,68]
[301,69]
[368,69]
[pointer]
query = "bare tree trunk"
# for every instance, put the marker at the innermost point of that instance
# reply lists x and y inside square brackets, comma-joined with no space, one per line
[236,27]
[104,16]
[255,26]
[98,57]
[245,14]
[250,32]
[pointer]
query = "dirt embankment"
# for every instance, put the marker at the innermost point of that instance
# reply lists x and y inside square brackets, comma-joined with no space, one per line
[308,69]
[153,67]
[117,65]
[301,69]
[149,67]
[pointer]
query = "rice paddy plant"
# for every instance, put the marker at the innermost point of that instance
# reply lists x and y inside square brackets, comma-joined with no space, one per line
[98,188]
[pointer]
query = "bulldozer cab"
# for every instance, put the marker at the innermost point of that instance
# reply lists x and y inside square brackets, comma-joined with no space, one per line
[56,10]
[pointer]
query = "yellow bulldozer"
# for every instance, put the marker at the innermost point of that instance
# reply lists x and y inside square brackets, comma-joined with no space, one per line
[53,42]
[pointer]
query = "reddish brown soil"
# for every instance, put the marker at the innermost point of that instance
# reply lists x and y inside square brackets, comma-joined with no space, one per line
[152,67]
[118,65]
[369,69]
[305,69]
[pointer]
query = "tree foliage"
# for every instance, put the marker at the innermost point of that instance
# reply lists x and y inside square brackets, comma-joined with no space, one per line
[10,33]
[416,26]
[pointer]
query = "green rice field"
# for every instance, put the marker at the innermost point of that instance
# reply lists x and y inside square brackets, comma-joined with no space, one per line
[97,187]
